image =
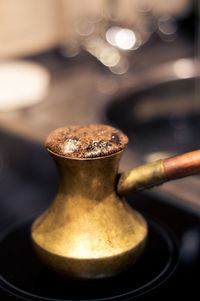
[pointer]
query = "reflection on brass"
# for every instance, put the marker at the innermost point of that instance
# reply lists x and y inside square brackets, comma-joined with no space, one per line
[90,231]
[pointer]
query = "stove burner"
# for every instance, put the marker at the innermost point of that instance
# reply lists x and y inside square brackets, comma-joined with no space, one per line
[24,277]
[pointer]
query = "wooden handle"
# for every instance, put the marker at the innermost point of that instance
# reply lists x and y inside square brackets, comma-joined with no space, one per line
[182,166]
[158,172]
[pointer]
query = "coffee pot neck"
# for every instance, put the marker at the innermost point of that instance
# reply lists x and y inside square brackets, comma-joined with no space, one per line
[91,178]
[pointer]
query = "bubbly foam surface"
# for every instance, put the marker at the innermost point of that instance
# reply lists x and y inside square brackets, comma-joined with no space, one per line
[88,141]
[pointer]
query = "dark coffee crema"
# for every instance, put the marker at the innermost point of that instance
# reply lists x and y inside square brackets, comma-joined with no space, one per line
[88,141]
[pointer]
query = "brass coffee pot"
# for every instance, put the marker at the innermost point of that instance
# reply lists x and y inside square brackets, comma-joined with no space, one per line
[90,231]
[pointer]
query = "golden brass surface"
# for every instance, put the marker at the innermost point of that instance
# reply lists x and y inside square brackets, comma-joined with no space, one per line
[89,231]
[142,177]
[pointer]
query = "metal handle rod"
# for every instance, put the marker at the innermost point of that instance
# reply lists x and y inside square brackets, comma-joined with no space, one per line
[158,172]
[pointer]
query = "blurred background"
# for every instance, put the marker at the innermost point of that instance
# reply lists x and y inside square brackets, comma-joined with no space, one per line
[133,64]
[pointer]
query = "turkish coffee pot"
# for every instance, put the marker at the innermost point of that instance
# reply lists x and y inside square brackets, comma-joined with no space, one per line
[90,231]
